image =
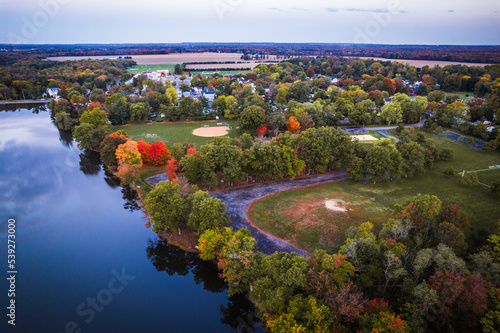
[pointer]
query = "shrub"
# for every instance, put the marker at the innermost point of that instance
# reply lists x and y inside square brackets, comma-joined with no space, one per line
[450,171]
[447,154]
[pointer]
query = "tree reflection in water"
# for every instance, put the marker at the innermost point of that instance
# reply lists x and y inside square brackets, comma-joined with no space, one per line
[239,313]
[90,162]
[130,196]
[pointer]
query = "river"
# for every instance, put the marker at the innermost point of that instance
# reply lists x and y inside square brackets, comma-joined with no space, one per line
[84,260]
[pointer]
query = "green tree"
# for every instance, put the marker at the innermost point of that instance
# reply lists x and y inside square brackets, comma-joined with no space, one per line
[140,112]
[356,169]
[470,179]
[280,275]
[250,119]
[206,212]
[383,161]
[165,205]
[63,121]
[88,136]
[391,113]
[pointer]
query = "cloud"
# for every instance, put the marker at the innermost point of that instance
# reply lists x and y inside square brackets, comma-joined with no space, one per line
[365,10]
[451,11]
[301,9]
[276,9]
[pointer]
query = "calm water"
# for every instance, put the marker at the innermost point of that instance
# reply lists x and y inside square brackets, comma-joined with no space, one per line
[84,259]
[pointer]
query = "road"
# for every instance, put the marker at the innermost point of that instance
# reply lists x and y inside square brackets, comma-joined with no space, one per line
[238,200]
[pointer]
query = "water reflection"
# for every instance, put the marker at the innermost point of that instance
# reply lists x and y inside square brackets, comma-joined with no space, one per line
[34,108]
[110,179]
[238,313]
[90,162]
[130,196]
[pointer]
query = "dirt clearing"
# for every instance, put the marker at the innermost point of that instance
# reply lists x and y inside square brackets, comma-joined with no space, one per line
[210,132]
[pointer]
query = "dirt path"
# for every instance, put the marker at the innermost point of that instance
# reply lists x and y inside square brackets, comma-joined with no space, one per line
[239,199]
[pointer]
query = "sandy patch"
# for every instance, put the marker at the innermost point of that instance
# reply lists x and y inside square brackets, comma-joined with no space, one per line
[364,137]
[210,132]
[333,205]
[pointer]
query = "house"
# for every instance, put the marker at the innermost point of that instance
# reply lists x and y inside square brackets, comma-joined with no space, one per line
[53,92]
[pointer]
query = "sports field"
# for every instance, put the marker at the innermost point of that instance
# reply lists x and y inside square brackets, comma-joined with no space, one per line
[300,216]
[170,133]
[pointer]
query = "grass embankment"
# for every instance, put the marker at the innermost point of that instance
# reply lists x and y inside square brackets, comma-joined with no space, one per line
[170,133]
[301,216]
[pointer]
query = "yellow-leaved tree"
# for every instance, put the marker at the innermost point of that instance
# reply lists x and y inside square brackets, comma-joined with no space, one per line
[129,161]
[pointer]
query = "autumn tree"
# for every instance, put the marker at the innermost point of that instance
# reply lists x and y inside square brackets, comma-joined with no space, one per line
[144,149]
[158,153]
[129,161]
[109,146]
[293,124]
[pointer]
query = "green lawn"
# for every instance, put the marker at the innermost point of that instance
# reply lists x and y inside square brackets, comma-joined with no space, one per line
[171,133]
[382,197]
[488,177]
[462,95]
[153,68]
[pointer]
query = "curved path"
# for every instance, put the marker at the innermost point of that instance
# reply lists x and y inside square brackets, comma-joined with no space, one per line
[238,200]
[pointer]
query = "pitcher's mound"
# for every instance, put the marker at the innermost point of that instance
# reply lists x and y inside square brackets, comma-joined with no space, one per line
[335,206]
[210,132]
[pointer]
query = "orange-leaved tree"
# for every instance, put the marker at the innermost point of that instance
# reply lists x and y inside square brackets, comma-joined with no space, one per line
[159,153]
[293,124]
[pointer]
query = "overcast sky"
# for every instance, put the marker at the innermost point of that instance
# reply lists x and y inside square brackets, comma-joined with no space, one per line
[163,21]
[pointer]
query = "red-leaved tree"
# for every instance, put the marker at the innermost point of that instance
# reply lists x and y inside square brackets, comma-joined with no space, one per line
[144,149]
[159,153]
[172,167]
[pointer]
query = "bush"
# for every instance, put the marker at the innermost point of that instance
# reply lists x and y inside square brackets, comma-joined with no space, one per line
[450,171]
[470,179]
[495,188]
[447,154]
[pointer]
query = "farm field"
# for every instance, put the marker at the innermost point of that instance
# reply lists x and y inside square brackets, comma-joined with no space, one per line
[301,216]
[422,63]
[170,133]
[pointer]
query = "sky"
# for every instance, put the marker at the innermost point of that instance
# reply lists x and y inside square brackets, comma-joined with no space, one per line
[430,22]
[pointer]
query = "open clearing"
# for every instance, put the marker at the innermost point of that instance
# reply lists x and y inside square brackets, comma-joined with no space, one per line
[170,133]
[211,132]
[301,215]
[177,58]
[364,137]
[422,63]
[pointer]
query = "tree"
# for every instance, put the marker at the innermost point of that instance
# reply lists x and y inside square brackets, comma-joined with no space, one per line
[470,179]
[129,160]
[293,165]
[383,161]
[293,124]
[251,118]
[279,276]
[462,300]
[63,121]
[144,149]
[356,169]
[299,91]
[165,205]
[206,212]
[117,109]
[95,117]
[172,167]
[413,156]
[275,120]
[391,113]
[88,136]
[140,112]
[109,146]
[172,97]
[158,153]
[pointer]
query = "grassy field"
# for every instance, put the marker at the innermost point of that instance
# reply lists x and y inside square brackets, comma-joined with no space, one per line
[170,133]
[488,177]
[171,67]
[377,200]
[153,68]
[462,95]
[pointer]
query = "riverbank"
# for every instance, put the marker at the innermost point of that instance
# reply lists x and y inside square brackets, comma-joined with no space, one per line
[27,101]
